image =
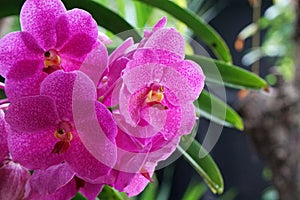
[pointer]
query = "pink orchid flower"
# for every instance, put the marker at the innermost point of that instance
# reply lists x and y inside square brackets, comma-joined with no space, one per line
[151,89]
[51,39]
[60,182]
[13,176]
[63,123]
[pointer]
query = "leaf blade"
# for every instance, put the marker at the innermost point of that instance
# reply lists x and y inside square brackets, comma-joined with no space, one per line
[205,166]
[230,75]
[209,107]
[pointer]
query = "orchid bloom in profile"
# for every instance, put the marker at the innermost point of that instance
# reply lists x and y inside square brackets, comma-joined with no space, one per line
[51,39]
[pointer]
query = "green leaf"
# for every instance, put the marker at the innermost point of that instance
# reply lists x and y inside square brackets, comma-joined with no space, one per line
[230,75]
[108,193]
[216,110]
[205,166]
[202,29]
[150,191]
[143,13]
[105,18]
[194,191]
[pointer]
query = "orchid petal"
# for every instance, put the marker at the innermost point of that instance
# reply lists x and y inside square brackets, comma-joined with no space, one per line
[120,50]
[95,63]
[13,181]
[33,150]
[193,73]
[75,23]
[91,191]
[3,137]
[48,181]
[32,113]
[167,39]
[39,17]
[24,79]
[16,47]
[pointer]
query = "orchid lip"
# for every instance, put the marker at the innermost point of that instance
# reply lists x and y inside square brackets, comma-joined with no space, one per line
[52,61]
[64,134]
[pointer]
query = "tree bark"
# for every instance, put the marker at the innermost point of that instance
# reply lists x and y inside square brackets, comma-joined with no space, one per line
[272,121]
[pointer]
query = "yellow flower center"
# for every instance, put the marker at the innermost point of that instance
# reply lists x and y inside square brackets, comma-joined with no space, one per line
[64,135]
[52,61]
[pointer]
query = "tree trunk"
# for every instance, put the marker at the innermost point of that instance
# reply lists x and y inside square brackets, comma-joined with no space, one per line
[272,121]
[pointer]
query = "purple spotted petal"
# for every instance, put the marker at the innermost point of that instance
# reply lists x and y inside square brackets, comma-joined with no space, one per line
[33,150]
[3,137]
[120,50]
[32,113]
[139,182]
[75,22]
[91,191]
[188,119]
[193,73]
[13,181]
[93,121]
[17,47]
[146,74]
[95,63]
[24,79]
[47,181]
[83,163]
[38,17]
[167,39]
[59,87]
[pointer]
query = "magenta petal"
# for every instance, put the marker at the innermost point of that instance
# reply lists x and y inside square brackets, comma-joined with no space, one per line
[33,150]
[91,191]
[95,63]
[59,87]
[188,119]
[16,47]
[83,163]
[160,24]
[75,23]
[48,181]
[167,39]
[139,182]
[193,73]
[39,17]
[32,113]
[3,137]
[24,79]
[120,50]
[13,181]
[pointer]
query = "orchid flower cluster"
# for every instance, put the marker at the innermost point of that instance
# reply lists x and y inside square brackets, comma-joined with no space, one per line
[75,118]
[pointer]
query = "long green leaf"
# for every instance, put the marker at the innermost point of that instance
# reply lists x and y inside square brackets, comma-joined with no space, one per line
[105,18]
[194,191]
[205,166]
[203,30]
[229,117]
[227,74]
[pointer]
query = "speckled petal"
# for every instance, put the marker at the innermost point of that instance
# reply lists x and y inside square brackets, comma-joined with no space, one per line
[91,191]
[167,39]
[38,17]
[120,50]
[168,77]
[13,181]
[24,79]
[188,118]
[76,22]
[16,47]
[3,137]
[59,87]
[48,181]
[139,182]
[193,73]
[32,113]
[83,163]
[33,150]
[95,63]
